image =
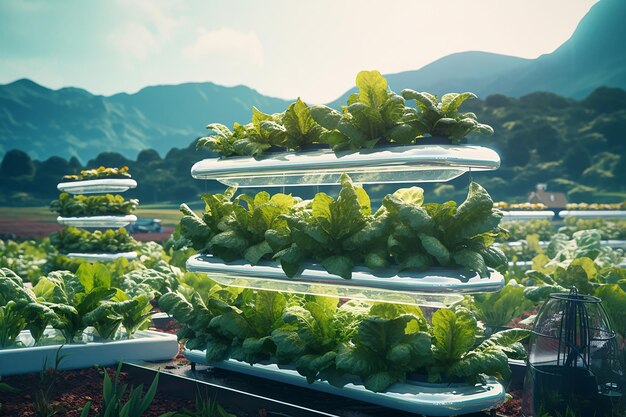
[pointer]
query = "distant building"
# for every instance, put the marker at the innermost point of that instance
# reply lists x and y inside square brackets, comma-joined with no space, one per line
[552,200]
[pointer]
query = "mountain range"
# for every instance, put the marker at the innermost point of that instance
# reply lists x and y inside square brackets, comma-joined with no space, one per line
[73,122]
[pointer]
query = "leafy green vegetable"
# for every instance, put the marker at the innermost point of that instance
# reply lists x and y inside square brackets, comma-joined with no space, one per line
[442,119]
[73,239]
[25,258]
[153,282]
[455,354]
[499,308]
[343,232]
[80,205]
[15,301]
[444,234]
[385,349]
[292,129]
[373,115]
[82,299]
[100,172]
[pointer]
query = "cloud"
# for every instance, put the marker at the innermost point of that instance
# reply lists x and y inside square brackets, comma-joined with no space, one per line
[157,14]
[134,40]
[147,28]
[225,43]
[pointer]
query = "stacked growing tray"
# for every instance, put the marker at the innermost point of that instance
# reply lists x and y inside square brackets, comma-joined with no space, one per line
[438,287]
[98,186]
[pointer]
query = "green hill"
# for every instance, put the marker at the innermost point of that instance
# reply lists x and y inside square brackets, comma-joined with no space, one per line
[73,122]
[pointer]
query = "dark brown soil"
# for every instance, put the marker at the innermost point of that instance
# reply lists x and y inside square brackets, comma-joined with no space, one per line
[27,228]
[513,407]
[72,391]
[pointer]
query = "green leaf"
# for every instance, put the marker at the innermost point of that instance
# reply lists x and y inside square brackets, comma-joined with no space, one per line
[217,349]
[325,116]
[392,109]
[339,265]
[377,333]
[424,101]
[258,116]
[290,260]
[297,118]
[379,381]
[453,334]
[435,248]
[412,196]
[471,260]
[372,88]
[289,346]
[228,245]
[93,275]
[256,252]
[269,308]
[452,101]
[415,262]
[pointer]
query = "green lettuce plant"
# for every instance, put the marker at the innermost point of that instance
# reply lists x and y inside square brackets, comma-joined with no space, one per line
[457,356]
[73,239]
[342,232]
[16,306]
[376,344]
[69,205]
[290,130]
[374,115]
[442,118]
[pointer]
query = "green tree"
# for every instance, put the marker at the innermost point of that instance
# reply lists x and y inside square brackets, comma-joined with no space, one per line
[16,164]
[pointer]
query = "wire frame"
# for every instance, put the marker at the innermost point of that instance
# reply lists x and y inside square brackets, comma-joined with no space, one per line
[569,330]
[574,361]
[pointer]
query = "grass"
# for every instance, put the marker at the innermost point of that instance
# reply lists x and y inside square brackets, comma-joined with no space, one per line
[41,213]
[168,216]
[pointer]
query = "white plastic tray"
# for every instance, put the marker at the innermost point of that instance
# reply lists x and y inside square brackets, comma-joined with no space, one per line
[145,345]
[97,257]
[616,244]
[436,287]
[415,397]
[112,222]
[513,215]
[398,164]
[607,214]
[99,186]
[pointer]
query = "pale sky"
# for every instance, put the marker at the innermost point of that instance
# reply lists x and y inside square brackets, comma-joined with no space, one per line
[283,48]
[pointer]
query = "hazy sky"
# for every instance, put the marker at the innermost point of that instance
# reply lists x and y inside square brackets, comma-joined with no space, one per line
[283,48]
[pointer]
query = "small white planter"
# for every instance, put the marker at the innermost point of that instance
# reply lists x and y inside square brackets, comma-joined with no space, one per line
[145,345]
[110,222]
[412,396]
[527,215]
[99,186]
[615,244]
[99,257]
[587,214]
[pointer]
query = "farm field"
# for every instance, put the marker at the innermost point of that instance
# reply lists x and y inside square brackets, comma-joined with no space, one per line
[39,222]
[419,301]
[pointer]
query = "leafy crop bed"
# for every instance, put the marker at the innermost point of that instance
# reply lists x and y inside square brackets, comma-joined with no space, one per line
[235,322]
